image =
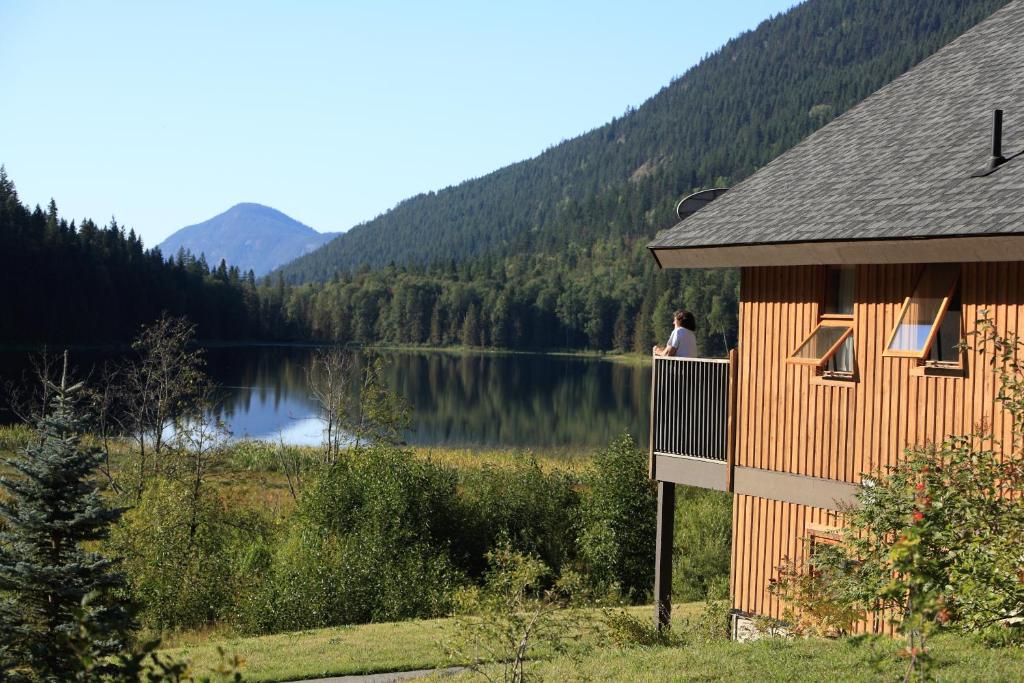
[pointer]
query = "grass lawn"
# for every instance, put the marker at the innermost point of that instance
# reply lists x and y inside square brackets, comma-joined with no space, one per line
[852,659]
[409,645]
[366,648]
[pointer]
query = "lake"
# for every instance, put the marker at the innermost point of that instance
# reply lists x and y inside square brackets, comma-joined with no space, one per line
[458,399]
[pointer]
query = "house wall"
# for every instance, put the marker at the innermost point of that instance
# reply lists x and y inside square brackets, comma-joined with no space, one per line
[790,421]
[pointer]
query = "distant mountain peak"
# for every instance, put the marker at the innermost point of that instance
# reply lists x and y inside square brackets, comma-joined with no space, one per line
[249,235]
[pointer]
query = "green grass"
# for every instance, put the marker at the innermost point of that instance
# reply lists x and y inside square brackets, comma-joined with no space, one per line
[342,650]
[339,651]
[852,659]
[367,648]
[373,648]
[549,459]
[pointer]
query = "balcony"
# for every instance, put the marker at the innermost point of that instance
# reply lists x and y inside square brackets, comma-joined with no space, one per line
[691,418]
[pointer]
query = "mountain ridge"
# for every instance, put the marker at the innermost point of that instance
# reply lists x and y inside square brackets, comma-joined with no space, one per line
[248,235]
[741,106]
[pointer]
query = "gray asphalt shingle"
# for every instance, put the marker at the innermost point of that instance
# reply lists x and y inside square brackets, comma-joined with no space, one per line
[896,166]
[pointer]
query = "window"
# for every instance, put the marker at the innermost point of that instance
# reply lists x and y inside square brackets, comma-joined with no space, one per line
[923,320]
[839,291]
[945,352]
[829,346]
[820,540]
[823,343]
[840,365]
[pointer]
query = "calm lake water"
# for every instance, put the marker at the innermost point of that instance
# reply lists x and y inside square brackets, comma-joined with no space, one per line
[466,399]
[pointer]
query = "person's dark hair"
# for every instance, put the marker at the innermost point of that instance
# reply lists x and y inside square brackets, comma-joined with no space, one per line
[686,320]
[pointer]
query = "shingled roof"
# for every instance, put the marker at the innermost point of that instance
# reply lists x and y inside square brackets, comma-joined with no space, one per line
[897,166]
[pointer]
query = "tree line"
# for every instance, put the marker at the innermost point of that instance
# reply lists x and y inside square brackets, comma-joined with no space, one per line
[87,283]
[69,283]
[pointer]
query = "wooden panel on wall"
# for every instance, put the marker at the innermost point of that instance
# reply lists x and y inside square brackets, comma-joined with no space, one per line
[788,422]
[765,533]
[772,531]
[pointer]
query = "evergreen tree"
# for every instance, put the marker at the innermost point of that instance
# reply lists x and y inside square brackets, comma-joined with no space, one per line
[59,606]
[642,334]
[471,327]
[621,331]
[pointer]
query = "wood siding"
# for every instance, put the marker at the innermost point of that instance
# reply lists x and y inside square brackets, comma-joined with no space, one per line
[789,421]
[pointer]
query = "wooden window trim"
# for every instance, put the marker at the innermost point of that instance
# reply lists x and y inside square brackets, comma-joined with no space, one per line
[826,321]
[824,531]
[846,382]
[932,333]
[926,369]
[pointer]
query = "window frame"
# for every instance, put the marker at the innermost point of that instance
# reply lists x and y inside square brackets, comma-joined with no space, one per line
[933,332]
[826,320]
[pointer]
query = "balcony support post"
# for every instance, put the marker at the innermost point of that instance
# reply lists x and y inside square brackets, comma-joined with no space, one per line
[663,554]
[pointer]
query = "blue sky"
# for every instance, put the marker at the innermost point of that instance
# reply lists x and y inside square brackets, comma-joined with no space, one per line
[166,114]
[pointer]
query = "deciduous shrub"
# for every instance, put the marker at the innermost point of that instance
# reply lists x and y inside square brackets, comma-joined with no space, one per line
[368,543]
[703,539]
[535,512]
[504,622]
[617,539]
[182,577]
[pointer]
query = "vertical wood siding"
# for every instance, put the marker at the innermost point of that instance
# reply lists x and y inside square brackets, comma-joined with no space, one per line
[789,424]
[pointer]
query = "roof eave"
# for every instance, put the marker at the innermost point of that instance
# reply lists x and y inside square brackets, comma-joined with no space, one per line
[945,249]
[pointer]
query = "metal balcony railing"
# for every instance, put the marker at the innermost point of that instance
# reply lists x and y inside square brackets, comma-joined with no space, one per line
[690,407]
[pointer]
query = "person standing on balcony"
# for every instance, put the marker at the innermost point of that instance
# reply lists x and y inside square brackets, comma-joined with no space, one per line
[682,341]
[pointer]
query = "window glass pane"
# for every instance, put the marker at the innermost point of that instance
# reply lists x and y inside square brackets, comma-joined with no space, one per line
[944,350]
[839,294]
[823,339]
[841,361]
[915,325]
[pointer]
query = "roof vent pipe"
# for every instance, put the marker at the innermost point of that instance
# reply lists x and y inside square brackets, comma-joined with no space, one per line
[997,138]
[997,159]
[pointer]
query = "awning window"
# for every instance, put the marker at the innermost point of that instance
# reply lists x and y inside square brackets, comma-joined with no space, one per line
[823,342]
[921,317]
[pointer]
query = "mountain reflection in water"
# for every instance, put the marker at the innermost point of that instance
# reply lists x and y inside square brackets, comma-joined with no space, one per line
[468,399]
[457,399]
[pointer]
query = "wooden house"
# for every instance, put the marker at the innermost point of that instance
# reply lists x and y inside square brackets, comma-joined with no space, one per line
[867,252]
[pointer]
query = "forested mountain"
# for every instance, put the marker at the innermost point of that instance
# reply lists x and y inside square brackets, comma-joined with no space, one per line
[547,253]
[741,106]
[250,236]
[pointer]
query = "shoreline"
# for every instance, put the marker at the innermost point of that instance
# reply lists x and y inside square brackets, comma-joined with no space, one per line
[628,358]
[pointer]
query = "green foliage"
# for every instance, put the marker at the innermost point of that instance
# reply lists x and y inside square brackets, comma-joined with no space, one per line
[617,539]
[87,283]
[814,604]
[703,542]
[369,544]
[508,618]
[177,553]
[51,514]
[628,630]
[710,625]
[380,415]
[533,511]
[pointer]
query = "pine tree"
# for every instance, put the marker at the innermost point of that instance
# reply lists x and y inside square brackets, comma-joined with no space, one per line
[471,327]
[54,590]
[620,330]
